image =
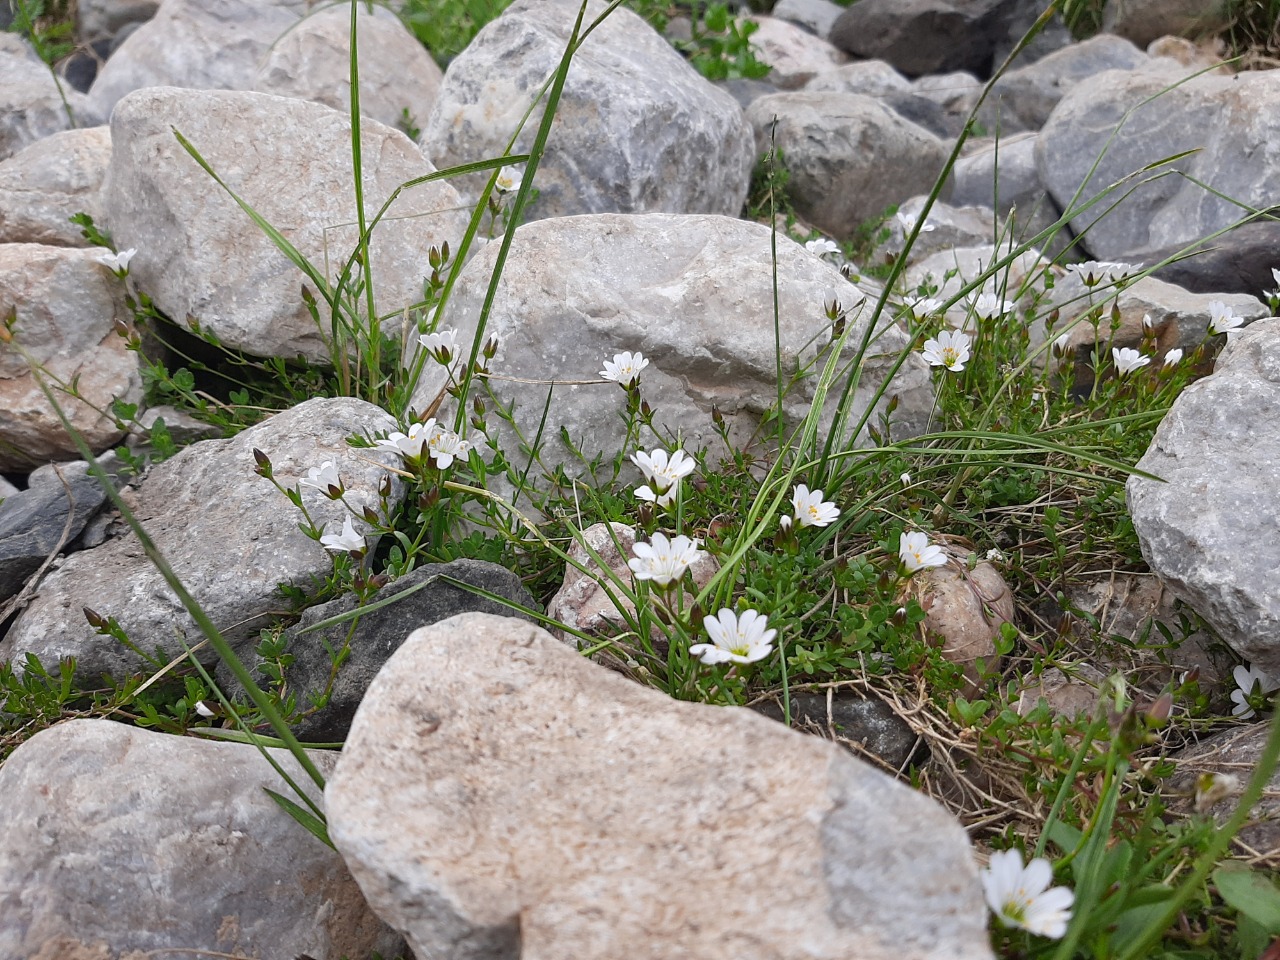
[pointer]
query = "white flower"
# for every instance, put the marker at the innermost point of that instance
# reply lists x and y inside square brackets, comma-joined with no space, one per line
[923,307]
[410,445]
[908,223]
[443,344]
[348,541]
[323,478]
[950,350]
[1095,272]
[203,709]
[821,247]
[810,510]
[1252,684]
[1275,275]
[665,473]
[916,552]
[624,368]
[508,181]
[117,262]
[445,445]
[1222,318]
[1213,788]
[742,639]
[785,522]
[664,561]
[1062,344]
[1147,322]
[988,306]
[1128,360]
[995,556]
[906,479]
[1173,357]
[1021,896]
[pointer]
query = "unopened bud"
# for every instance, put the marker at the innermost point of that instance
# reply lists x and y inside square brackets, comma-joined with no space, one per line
[95,619]
[716,416]
[899,618]
[384,486]
[370,516]
[490,347]
[434,258]
[429,499]
[264,463]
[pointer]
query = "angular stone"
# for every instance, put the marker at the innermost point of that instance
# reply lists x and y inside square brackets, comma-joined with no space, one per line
[200,44]
[867,726]
[795,56]
[925,36]
[637,129]
[951,227]
[1003,176]
[42,186]
[117,839]
[816,16]
[628,811]
[849,156]
[649,276]
[1239,261]
[1143,21]
[379,633]
[44,518]
[201,255]
[1232,124]
[1209,531]
[67,310]
[31,106]
[312,62]
[871,78]
[228,534]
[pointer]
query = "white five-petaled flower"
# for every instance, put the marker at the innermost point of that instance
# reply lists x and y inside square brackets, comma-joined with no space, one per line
[950,350]
[348,541]
[988,306]
[1251,684]
[443,344]
[624,368]
[1095,272]
[1128,360]
[410,445]
[810,509]
[1173,357]
[923,307]
[916,552]
[508,181]
[821,247]
[908,223]
[1022,896]
[1222,318]
[664,561]
[744,639]
[444,446]
[325,479]
[116,262]
[663,472]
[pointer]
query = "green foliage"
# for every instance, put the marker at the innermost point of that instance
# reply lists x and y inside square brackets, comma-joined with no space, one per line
[721,46]
[445,27]
[49,25]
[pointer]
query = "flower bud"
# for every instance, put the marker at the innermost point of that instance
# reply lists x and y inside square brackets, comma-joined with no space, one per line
[490,346]
[264,463]
[429,499]
[384,487]
[95,619]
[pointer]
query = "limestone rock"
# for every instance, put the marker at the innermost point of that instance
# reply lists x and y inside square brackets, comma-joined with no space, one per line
[125,840]
[816,16]
[951,227]
[627,812]
[1209,531]
[1233,124]
[43,185]
[106,18]
[695,296]
[849,156]
[205,258]
[964,608]
[637,130]
[228,534]
[871,78]
[1144,21]
[67,308]
[312,62]
[1003,175]
[31,106]
[795,56]
[1239,261]
[867,726]
[200,44]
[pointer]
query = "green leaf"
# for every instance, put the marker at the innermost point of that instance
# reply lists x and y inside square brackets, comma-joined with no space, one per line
[1251,893]
[308,820]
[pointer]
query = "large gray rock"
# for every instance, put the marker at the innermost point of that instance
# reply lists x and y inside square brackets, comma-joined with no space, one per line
[1022,99]
[849,157]
[203,44]
[116,840]
[1003,175]
[871,78]
[378,634]
[1143,21]
[695,296]
[229,535]
[202,256]
[31,105]
[1240,261]
[1209,531]
[67,307]
[106,18]
[1233,124]
[637,130]
[312,62]
[794,55]
[42,186]
[926,36]
[547,807]
[816,16]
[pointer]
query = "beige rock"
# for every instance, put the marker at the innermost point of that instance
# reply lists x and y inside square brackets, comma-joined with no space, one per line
[964,607]
[545,807]
[794,55]
[1143,21]
[42,186]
